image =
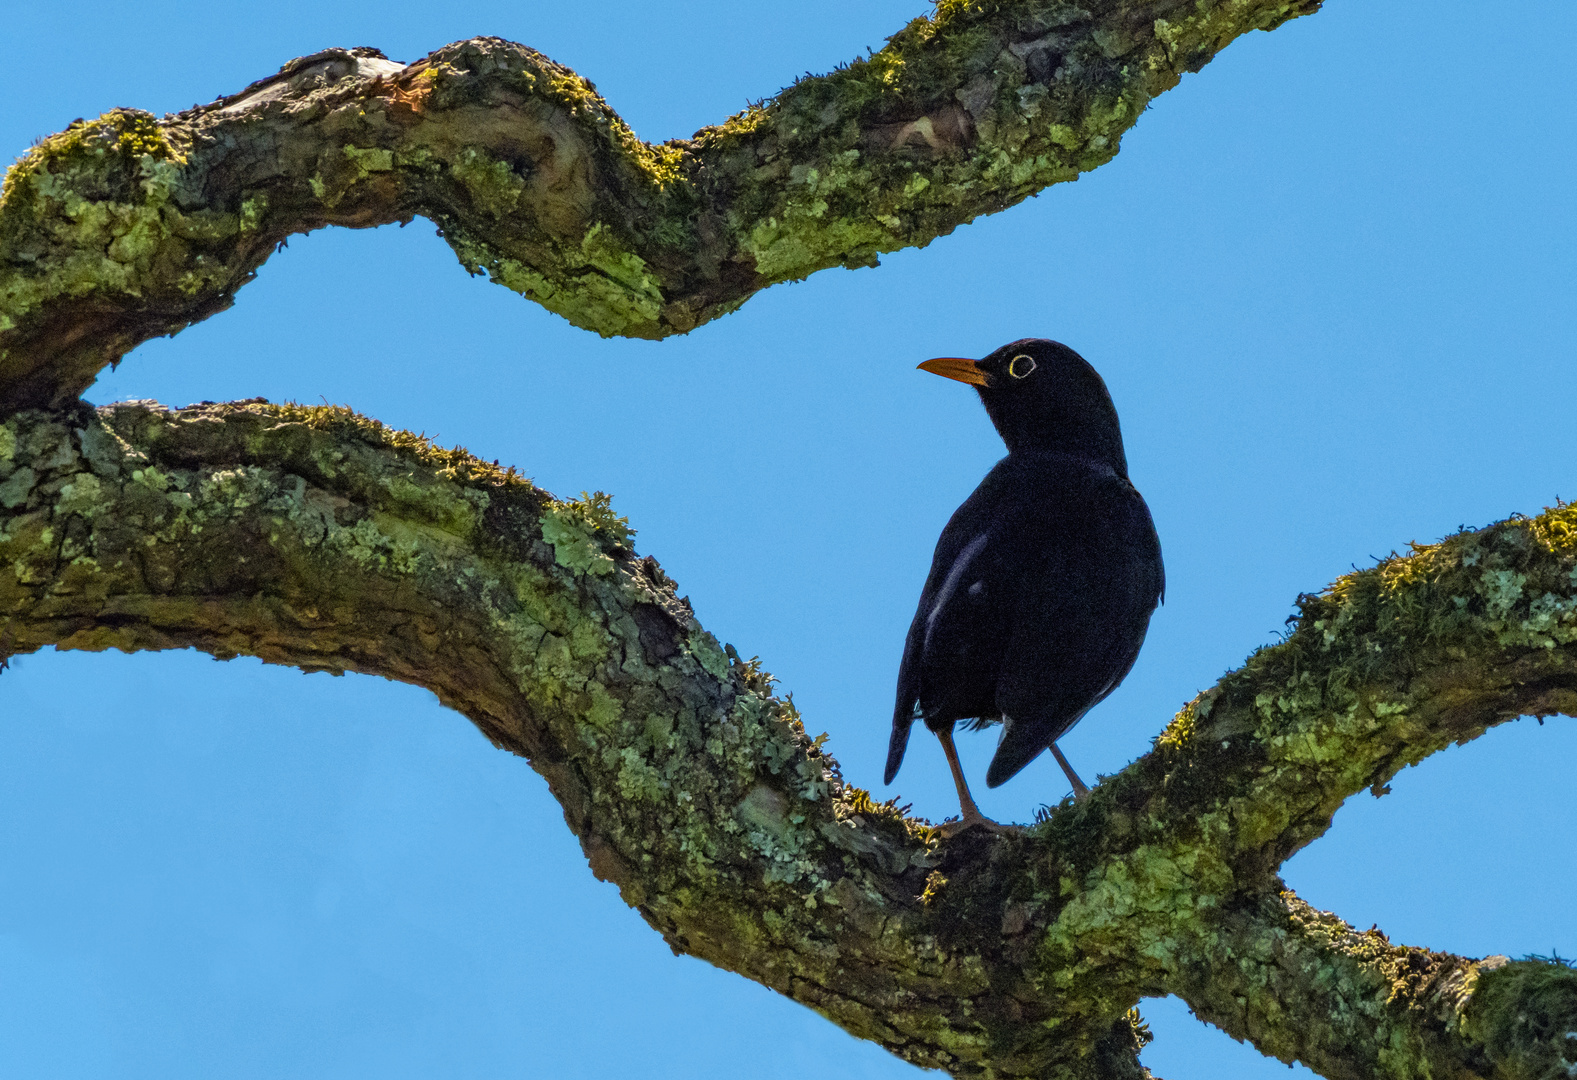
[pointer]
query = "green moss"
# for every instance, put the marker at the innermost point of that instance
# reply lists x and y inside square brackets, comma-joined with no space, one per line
[97,201]
[128,134]
[741,123]
[1524,1015]
[454,463]
[647,265]
[577,96]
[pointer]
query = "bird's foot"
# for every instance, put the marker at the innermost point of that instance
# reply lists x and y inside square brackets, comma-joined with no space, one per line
[953,826]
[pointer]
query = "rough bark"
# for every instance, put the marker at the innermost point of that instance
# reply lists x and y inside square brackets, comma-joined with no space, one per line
[314,537]
[129,227]
[317,538]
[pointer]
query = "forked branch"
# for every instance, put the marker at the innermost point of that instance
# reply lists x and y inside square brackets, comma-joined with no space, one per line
[316,538]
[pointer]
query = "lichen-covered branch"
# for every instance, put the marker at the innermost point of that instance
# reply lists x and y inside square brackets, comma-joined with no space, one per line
[129,227]
[314,537]
[1302,984]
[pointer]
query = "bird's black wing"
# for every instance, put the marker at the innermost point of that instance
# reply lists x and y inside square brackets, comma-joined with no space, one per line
[946,630]
[1092,578]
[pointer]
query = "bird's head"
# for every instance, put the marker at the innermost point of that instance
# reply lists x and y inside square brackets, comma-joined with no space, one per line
[1041,395]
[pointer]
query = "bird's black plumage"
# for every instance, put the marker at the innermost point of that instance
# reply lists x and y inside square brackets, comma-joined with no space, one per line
[1044,580]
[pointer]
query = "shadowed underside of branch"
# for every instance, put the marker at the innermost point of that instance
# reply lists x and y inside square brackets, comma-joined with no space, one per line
[129,227]
[316,538]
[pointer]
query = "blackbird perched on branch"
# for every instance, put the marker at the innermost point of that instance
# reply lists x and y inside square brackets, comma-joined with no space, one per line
[1043,582]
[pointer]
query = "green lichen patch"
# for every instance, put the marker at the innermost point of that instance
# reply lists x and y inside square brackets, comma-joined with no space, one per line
[493,184]
[595,510]
[586,535]
[574,547]
[598,285]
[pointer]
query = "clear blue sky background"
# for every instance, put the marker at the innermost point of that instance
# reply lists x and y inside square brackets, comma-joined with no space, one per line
[1328,281]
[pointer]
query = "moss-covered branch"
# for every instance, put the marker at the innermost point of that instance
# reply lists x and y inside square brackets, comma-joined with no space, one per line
[314,537]
[129,227]
[1303,985]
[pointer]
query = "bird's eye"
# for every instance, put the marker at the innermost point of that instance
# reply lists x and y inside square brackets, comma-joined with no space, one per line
[1021,365]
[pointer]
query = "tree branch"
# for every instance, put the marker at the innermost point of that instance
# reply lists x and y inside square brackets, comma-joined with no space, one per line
[1303,985]
[314,537]
[127,227]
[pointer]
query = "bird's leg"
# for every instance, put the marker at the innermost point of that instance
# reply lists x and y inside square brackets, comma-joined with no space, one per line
[1080,790]
[971,813]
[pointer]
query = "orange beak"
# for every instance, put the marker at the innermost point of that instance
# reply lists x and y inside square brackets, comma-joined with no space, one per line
[959,368]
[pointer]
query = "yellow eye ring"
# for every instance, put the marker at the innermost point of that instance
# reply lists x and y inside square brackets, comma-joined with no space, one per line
[1021,365]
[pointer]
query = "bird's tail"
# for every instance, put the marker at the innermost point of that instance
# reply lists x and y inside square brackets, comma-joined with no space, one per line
[897,744]
[1017,749]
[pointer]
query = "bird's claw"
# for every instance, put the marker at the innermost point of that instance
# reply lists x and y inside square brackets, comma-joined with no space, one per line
[953,826]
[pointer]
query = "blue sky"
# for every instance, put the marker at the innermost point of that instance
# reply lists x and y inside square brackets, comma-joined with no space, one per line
[1328,281]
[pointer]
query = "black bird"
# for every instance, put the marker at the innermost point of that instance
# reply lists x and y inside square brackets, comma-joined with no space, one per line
[1043,582]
